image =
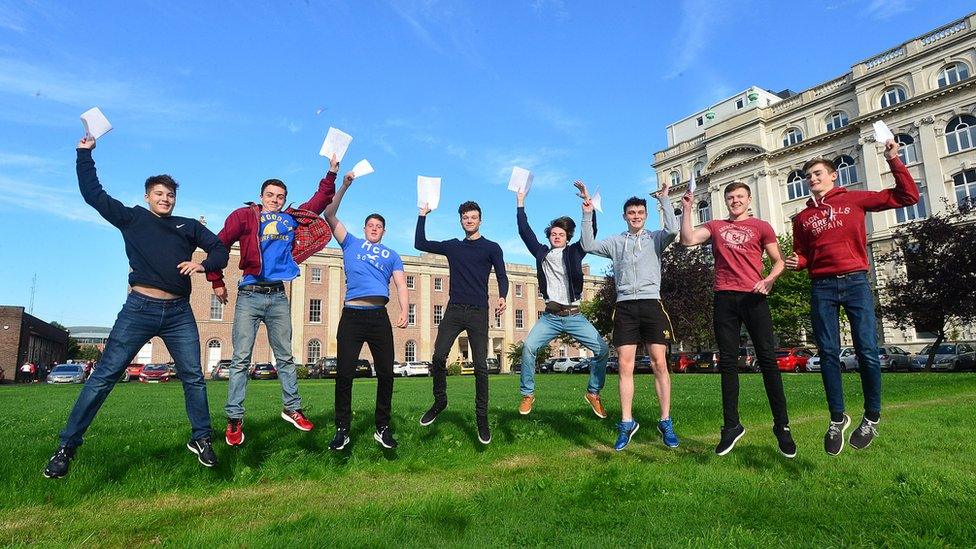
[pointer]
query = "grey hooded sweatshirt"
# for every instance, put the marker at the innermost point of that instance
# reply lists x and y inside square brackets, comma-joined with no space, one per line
[636,257]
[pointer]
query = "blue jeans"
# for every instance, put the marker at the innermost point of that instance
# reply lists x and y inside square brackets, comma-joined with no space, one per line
[853,293]
[550,326]
[253,308]
[140,319]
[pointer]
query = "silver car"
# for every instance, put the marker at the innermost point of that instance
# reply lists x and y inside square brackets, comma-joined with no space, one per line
[67,373]
[813,363]
[949,356]
[895,358]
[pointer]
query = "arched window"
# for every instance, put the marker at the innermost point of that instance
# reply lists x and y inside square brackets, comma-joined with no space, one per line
[792,136]
[836,121]
[410,351]
[965,182]
[952,73]
[699,168]
[213,344]
[846,170]
[675,178]
[892,96]
[796,185]
[314,351]
[960,133]
[907,150]
[704,212]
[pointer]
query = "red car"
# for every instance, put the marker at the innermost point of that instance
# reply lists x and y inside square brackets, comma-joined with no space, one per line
[154,373]
[132,371]
[793,359]
[681,361]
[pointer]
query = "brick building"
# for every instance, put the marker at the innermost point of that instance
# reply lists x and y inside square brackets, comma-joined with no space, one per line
[25,338]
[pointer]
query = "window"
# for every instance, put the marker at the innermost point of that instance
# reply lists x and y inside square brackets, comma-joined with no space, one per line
[216,308]
[915,211]
[675,178]
[699,168]
[562,351]
[410,282]
[796,185]
[538,314]
[965,187]
[213,344]
[313,352]
[960,133]
[315,310]
[701,121]
[438,284]
[836,121]
[410,351]
[846,170]
[538,289]
[704,212]
[518,290]
[739,103]
[892,96]
[519,322]
[953,73]
[438,314]
[316,275]
[411,314]
[792,136]
[498,321]
[907,150]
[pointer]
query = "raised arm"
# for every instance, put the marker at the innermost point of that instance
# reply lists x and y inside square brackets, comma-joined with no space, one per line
[110,209]
[420,236]
[323,196]
[905,192]
[691,236]
[588,235]
[498,262]
[525,231]
[338,229]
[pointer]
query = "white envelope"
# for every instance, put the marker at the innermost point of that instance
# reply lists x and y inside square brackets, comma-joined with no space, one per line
[96,125]
[336,142]
[882,133]
[691,184]
[363,167]
[597,202]
[428,191]
[521,180]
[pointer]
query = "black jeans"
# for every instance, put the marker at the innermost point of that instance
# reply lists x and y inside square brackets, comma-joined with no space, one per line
[732,310]
[372,327]
[473,320]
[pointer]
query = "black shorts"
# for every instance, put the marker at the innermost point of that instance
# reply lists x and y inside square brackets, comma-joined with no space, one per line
[641,321]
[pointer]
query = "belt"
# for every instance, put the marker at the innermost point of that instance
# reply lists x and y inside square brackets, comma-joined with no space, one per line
[844,275]
[562,310]
[263,289]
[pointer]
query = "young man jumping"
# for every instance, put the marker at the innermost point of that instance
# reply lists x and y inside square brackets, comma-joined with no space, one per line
[160,248]
[738,243]
[368,266]
[830,241]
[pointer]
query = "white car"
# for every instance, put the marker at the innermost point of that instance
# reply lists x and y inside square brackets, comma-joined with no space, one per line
[565,364]
[813,363]
[414,368]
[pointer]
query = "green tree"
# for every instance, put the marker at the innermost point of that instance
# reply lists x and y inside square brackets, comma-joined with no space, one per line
[514,353]
[789,302]
[687,290]
[599,310]
[88,352]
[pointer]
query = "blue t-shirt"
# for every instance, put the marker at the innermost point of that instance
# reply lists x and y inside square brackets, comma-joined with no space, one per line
[368,268]
[277,235]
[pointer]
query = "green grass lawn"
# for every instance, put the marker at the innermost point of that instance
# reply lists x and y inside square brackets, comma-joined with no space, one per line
[550,478]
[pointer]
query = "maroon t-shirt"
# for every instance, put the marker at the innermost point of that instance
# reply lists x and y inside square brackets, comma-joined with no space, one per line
[738,247]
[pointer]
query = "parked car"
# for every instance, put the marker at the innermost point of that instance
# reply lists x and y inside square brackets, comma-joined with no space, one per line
[414,368]
[565,365]
[895,358]
[154,373]
[364,368]
[264,370]
[747,360]
[703,362]
[173,374]
[494,367]
[643,365]
[67,373]
[221,371]
[681,360]
[467,368]
[793,359]
[582,366]
[848,360]
[949,356]
[813,363]
[132,371]
[324,367]
[613,365]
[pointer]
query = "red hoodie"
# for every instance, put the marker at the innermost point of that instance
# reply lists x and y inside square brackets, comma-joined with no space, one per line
[829,236]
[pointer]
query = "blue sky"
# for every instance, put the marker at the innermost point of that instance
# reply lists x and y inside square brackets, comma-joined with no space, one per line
[224,95]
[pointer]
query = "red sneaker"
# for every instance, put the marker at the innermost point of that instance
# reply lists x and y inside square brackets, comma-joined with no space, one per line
[298,419]
[234,435]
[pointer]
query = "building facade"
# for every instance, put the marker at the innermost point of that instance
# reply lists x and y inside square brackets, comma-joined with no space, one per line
[923,89]
[26,338]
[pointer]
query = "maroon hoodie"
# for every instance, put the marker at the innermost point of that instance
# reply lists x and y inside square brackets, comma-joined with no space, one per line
[829,236]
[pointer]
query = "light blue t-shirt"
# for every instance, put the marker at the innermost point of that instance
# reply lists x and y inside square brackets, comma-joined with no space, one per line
[368,268]
[277,263]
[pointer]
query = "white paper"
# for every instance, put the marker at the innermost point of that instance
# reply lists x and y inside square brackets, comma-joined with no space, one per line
[882,133]
[363,167]
[521,180]
[691,184]
[96,125]
[428,192]
[597,202]
[336,142]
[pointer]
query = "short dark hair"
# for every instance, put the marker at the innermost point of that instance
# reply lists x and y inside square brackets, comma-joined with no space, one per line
[634,201]
[469,206]
[375,216]
[737,185]
[820,160]
[276,183]
[164,180]
[565,223]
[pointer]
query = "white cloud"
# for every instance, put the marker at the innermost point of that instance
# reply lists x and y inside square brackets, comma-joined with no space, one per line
[19,195]
[698,23]
[556,9]
[542,162]
[886,9]
[555,117]
[290,125]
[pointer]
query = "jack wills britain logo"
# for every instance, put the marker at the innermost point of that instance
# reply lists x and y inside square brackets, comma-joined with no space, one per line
[821,220]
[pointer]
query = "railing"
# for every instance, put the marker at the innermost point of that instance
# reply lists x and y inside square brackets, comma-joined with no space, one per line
[787,104]
[828,87]
[944,32]
[885,57]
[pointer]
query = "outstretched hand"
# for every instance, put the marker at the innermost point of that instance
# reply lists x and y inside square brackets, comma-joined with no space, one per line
[347,180]
[891,149]
[87,142]
[188,267]
[334,164]
[581,190]
[424,210]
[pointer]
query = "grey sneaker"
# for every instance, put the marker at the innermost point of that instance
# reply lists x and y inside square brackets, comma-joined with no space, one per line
[834,439]
[862,436]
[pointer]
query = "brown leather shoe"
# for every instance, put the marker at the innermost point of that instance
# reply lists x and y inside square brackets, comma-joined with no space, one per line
[596,404]
[526,405]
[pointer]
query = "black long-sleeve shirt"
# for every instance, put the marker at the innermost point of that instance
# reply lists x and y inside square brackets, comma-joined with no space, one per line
[469,263]
[154,245]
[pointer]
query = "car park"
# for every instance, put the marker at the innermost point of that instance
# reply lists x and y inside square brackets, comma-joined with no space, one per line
[565,365]
[703,362]
[546,366]
[813,363]
[173,374]
[848,360]
[324,367]
[493,366]
[642,365]
[414,368]
[132,371]
[583,366]
[792,359]
[364,368]
[613,365]
[221,371]
[681,360]
[953,357]
[895,358]
[747,360]
[154,373]
[264,370]
[66,373]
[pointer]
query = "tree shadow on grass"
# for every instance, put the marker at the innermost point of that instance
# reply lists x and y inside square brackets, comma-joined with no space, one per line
[567,425]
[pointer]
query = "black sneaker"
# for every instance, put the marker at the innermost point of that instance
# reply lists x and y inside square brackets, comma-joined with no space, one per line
[484,433]
[203,448]
[785,439]
[862,436]
[57,467]
[384,435]
[430,415]
[729,437]
[340,440]
[834,439]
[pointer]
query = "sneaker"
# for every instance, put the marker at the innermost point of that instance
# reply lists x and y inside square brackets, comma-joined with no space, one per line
[596,404]
[234,435]
[57,466]
[666,428]
[730,436]
[785,440]
[431,414]
[484,433]
[834,439]
[298,419]
[340,440]
[526,405]
[203,448]
[626,430]
[862,436]
[384,435]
